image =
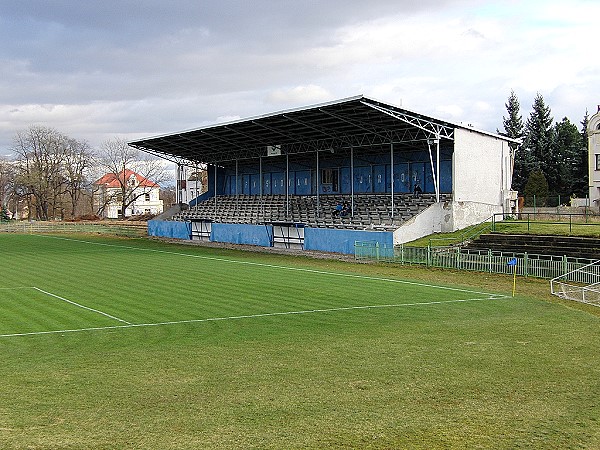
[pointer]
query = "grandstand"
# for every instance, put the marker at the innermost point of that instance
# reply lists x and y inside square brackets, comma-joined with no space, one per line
[401,174]
[371,211]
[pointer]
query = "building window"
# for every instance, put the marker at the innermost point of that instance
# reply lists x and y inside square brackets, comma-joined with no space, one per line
[147,197]
[598,162]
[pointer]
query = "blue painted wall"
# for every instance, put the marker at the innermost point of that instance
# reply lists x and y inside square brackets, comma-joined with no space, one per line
[371,174]
[342,241]
[242,234]
[171,229]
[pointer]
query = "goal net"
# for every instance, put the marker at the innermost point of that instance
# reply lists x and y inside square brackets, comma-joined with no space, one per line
[582,284]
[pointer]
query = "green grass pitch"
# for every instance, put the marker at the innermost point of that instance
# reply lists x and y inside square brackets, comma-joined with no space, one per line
[111,343]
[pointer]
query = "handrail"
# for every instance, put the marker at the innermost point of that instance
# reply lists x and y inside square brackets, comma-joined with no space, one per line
[526,218]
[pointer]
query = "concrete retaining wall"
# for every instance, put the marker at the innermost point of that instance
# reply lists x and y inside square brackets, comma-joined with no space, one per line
[171,229]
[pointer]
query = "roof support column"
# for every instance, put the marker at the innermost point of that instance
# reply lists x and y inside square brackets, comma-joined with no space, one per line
[317,186]
[435,170]
[352,179]
[215,214]
[178,190]
[260,188]
[287,185]
[392,175]
[236,184]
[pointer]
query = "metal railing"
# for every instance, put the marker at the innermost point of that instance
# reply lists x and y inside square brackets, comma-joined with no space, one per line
[528,265]
[118,228]
[553,223]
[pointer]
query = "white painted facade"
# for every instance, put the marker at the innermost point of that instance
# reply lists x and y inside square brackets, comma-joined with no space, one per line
[482,168]
[191,182]
[594,160]
[147,203]
[145,195]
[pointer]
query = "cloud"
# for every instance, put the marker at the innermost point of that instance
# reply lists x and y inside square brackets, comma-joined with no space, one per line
[300,95]
[96,69]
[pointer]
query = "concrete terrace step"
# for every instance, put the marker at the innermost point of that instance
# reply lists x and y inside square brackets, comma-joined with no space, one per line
[573,246]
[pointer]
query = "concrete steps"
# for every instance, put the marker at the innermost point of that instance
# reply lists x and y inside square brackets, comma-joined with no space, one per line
[572,246]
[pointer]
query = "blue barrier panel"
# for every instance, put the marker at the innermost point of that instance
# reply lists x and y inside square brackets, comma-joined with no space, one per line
[171,229]
[342,241]
[242,234]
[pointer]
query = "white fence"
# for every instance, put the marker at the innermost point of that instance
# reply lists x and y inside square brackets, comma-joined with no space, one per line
[528,265]
[116,228]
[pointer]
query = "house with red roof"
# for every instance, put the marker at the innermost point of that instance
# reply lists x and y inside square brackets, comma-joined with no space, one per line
[126,194]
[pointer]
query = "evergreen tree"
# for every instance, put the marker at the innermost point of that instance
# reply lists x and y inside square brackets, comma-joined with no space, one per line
[567,150]
[538,143]
[513,128]
[513,124]
[536,189]
[581,175]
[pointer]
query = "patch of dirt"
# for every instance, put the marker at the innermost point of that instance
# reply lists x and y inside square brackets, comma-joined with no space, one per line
[260,249]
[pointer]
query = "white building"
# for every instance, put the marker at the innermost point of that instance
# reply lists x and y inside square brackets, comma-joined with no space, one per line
[191,182]
[594,159]
[141,194]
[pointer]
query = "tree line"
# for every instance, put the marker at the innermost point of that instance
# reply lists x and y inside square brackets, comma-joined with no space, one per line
[552,161]
[52,175]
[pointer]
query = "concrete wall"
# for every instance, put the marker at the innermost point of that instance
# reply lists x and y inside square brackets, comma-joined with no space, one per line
[482,168]
[444,218]
[342,241]
[429,221]
[171,229]
[321,239]
[242,234]
[465,214]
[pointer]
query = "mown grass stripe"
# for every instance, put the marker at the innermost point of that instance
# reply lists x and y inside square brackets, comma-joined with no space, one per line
[80,305]
[253,316]
[275,266]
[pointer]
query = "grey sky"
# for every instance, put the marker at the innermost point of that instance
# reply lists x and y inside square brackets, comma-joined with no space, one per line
[99,69]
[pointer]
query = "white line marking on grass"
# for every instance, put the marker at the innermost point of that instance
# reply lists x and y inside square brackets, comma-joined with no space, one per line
[79,305]
[274,266]
[16,287]
[255,316]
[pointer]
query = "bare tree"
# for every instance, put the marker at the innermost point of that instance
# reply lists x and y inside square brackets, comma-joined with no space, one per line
[7,186]
[49,170]
[130,170]
[78,161]
[168,195]
[39,171]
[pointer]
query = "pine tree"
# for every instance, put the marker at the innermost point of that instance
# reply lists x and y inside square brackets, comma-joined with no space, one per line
[567,151]
[536,189]
[581,175]
[513,128]
[538,143]
[513,124]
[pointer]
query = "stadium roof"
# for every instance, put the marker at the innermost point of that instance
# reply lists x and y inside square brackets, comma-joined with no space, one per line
[352,122]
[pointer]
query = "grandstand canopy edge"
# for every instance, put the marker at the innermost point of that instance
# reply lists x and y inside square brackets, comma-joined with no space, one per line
[349,146]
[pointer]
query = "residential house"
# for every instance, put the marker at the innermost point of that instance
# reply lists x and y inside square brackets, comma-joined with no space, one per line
[141,194]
